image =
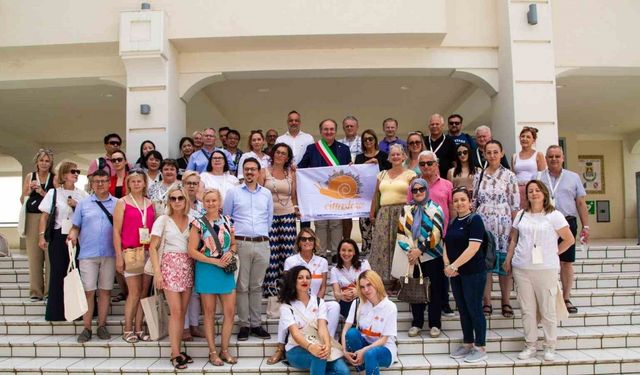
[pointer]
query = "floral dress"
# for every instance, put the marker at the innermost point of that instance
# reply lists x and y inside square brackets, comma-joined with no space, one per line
[211,279]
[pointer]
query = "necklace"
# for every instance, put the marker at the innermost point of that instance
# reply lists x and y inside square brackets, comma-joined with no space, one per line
[274,188]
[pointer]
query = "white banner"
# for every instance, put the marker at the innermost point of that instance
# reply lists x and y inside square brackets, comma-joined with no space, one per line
[341,192]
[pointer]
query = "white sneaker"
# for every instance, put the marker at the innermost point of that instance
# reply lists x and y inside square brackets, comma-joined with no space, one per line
[549,354]
[435,332]
[527,353]
[413,331]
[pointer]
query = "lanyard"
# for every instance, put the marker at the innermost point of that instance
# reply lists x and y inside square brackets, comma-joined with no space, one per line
[552,187]
[45,181]
[444,136]
[482,165]
[143,213]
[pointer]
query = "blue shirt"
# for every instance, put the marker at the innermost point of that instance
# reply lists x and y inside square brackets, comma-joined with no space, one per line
[200,160]
[384,144]
[251,211]
[460,233]
[312,157]
[96,232]
[464,138]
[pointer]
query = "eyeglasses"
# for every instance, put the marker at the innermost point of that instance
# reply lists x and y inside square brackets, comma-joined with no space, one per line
[74,171]
[368,139]
[115,143]
[307,239]
[100,182]
[418,190]
[192,183]
[415,143]
[454,123]
[179,198]
[427,163]
[463,152]
[117,160]
[281,153]
[218,158]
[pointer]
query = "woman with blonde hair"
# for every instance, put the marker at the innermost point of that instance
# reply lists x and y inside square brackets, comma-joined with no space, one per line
[415,145]
[370,331]
[172,266]
[35,187]
[60,202]
[213,246]
[132,219]
[255,144]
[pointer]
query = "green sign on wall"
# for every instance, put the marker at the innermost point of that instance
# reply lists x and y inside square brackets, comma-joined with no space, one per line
[591,207]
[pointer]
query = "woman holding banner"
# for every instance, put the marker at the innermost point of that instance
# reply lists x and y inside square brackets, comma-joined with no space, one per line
[386,206]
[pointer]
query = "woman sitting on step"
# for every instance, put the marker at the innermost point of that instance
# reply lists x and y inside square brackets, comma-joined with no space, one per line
[344,276]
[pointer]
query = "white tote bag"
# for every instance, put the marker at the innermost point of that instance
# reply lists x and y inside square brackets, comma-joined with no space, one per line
[400,262]
[22,219]
[156,313]
[75,301]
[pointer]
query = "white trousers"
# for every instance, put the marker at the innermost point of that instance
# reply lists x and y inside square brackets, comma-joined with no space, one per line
[537,290]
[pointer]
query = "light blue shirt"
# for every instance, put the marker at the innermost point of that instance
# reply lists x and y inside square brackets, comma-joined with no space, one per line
[96,232]
[200,159]
[251,211]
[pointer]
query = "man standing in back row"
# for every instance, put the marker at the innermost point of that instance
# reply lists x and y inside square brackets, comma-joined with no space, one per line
[295,138]
[444,147]
[455,132]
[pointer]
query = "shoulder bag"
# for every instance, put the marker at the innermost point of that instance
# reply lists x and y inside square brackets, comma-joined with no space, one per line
[414,290]
[51,221]
[233,265]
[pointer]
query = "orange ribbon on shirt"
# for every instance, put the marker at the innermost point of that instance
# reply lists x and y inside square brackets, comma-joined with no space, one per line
[369,332]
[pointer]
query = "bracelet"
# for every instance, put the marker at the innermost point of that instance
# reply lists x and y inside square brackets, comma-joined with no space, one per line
[585,227]
[308,346]
[41,233]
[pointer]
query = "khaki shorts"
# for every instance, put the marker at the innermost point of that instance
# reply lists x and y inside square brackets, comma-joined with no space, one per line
[97,273]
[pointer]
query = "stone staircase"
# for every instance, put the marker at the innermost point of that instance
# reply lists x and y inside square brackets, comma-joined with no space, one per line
[604,337]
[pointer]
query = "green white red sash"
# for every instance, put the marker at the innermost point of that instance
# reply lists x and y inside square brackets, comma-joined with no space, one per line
[326,153]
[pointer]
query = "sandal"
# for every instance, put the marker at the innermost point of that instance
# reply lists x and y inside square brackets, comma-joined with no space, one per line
[216,361]
[186,335]
[187,357]
[570,307]
[143,336]
[487,310]
[178,363]
[507,311]
[228,358]
[118,298]
[277,356]
[130,337]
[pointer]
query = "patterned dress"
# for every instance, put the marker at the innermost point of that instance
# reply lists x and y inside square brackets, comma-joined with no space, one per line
[494,200]
[211,279]
[282,235]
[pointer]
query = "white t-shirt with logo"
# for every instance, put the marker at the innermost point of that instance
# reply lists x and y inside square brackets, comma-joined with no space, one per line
[348,277]
[311,312]
[318,267]
[377,321]
[543,227]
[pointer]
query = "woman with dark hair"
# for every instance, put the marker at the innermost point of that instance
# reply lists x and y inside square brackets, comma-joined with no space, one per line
[217,175]
[63,200]
[528,162]
[145,147]
[281,181]
[158,191]
[186,149]
[35,187]
[464,171]
[533,259]
[298,309]
[255,145]
[118,188]
[345,274]
[152,163]
[496,199]
[371,154]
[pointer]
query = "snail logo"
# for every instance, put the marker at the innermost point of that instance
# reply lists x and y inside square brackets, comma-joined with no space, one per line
[341,185]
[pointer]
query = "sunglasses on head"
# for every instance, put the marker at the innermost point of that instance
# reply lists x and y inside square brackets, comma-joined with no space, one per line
[179,198]
[417,190]
[463,152]
[74,171]
[307,239]
[427,163]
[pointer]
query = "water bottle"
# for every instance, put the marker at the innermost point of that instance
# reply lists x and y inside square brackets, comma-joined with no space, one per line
[583,244]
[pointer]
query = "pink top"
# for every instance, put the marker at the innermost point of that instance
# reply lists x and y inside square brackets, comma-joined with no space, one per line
[131,222]
[440,192]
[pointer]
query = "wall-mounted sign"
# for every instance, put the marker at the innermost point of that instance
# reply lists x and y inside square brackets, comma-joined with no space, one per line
[591,207]
[591,171]
[603,213]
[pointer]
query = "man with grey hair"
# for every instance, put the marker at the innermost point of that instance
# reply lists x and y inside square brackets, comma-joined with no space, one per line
[483,136]
[444,147]
[351,139]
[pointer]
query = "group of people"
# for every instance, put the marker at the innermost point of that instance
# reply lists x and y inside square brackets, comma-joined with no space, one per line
[220,224]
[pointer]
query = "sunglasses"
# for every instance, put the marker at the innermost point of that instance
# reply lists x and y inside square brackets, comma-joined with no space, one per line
[117,160]
[115,143]
[454,122]
[418,190]
[427,163]
[307,239]
[368,139]
[415,143]
[179,198]
[74,171]
[463,152]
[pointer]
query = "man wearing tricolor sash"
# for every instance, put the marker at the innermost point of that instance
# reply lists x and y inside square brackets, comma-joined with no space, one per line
[327,152]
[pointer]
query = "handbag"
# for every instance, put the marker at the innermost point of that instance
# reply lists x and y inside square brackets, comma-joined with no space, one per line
[233,264]
[34,199]
[414,289]
[75,301]
[22,220]
[310,333]
[273,305]
[134,259]
[156,313]
[51,220]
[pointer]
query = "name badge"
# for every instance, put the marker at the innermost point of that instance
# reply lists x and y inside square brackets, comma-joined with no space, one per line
[66,226]
[536,255]
[145,238]
[553,201]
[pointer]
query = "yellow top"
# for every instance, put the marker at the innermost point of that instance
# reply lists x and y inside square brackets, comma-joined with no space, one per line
[394,191]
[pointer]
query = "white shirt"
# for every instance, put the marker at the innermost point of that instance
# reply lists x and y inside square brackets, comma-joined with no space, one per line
[312,312]
[298,143]
[348,277]
[63,210]
[377,321]
[355,146]
[318,266]
[544,228]
[265,161]
[223,183]
[174,240]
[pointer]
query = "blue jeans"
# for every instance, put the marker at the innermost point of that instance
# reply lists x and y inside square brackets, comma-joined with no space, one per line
[303,360]
[374,358]
[467,291]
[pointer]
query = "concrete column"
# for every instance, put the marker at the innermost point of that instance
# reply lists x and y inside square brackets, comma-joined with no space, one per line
[152,79]
[527,93]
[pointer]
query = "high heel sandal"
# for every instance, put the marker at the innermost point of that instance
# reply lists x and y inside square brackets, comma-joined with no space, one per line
[276,357]
[228,358]
[216,361]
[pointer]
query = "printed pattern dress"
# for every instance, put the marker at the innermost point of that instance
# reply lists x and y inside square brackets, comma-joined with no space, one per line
[211,279]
